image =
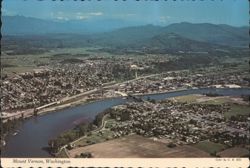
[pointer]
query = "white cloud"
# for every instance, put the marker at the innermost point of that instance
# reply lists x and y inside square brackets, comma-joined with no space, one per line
[82,17]
[95,14]
[59,16]
[62,18]
[78,15]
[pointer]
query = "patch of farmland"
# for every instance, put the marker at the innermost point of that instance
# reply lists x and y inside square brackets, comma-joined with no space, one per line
[135,146]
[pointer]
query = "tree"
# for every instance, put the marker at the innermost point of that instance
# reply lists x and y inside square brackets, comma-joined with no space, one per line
[171,145]
[213,154]
[69,147]
[153,101]
[35,112]
[125,116]
[86,155]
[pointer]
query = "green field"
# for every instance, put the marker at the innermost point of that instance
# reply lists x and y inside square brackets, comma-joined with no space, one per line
[210,147]
[194,98]
[110,123]
[96,137]
[216,101]
[24,63]
[188,98]
[28,62]
[238,110]
[99,136]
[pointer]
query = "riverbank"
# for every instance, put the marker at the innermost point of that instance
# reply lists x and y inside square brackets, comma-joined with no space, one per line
[82,99]
[63,150]
[73,101]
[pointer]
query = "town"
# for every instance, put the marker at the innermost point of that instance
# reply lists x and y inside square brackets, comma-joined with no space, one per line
[211,122]
[185,123]
[68,82]
[56,83]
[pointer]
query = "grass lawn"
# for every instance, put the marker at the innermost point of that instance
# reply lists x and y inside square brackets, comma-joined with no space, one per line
[188,98]
[110,123]
[210,147]
[217,101]
[96,137]
[238,110]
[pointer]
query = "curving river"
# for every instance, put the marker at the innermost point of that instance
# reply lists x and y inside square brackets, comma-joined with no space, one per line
[35,132]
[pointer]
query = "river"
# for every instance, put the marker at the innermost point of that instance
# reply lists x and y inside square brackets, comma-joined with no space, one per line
[35,132]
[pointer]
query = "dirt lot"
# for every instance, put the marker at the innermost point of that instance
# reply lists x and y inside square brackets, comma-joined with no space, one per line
[135,146]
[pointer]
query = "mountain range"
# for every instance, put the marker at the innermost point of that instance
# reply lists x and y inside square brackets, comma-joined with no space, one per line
[16,25]
[202,32]
[113,33]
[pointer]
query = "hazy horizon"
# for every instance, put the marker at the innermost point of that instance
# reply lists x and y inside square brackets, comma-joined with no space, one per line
[133,13]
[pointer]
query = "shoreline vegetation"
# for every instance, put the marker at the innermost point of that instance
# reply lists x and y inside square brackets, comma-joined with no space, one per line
[67,139]
[59,146]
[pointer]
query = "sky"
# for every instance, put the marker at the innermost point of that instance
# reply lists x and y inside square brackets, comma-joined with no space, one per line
[161,12]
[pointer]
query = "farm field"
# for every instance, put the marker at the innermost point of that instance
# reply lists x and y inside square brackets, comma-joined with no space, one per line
[135,146]
[234,152]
